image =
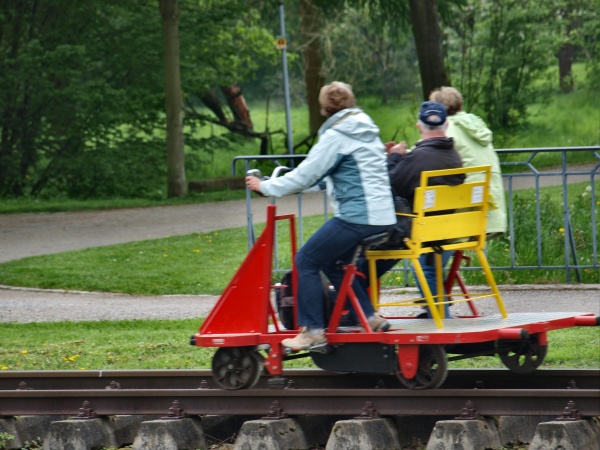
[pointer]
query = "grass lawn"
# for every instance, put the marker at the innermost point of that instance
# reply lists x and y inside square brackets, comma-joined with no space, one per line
[164,344]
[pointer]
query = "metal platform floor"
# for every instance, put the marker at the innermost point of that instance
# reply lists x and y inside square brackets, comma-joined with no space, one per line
[478,324]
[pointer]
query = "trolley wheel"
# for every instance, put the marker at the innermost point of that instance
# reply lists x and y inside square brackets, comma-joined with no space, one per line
[432,370]
[237,367]
[522,356]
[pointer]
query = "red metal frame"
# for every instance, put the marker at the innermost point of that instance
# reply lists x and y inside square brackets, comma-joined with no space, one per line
[244,315]
[454,277]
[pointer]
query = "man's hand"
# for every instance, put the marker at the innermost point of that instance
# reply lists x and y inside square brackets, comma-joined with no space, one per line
[389,145]
[392,147]
[253,184]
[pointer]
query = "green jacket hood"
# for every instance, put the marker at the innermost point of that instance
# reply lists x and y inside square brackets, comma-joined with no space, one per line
[474,126]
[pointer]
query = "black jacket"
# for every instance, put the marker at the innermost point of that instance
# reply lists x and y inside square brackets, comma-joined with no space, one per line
[430,154]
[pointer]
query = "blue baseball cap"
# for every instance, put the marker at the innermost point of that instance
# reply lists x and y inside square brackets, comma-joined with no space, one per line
[433,113]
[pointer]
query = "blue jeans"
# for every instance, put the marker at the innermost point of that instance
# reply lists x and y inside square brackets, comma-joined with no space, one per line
[335,241]
[428,265]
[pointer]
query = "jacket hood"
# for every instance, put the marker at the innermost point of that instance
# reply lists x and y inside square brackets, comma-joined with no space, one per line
[474,126]
[354,123]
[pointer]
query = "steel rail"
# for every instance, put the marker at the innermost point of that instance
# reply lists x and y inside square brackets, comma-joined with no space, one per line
[301,378]
[450,402]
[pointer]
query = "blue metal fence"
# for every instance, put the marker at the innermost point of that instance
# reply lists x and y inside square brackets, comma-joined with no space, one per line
[520,171]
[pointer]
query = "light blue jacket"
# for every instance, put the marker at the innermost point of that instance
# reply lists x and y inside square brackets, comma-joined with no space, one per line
[350,158]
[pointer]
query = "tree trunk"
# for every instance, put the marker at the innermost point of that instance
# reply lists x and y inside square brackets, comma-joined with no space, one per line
[428,41]
[311,52]
[176,183]
[565,65]
[566,54]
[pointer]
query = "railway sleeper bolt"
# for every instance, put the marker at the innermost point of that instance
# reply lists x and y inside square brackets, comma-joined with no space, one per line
[23,387]
[113,385]
[86,412]
[570,412]
[204,385]
[469,412]
[175,412]
[276,412]
[290,385]
[369,412]
[572,385]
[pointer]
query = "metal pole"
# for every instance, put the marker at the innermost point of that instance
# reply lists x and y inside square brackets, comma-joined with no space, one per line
[286,83]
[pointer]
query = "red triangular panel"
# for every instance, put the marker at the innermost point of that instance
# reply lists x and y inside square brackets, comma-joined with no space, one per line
[243,306]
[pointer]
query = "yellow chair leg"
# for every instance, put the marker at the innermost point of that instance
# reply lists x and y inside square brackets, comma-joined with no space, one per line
[373,283]
[491,281]
[428,297]
[439,281]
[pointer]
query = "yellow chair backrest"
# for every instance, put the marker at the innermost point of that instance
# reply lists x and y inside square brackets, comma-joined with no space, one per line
[446,213]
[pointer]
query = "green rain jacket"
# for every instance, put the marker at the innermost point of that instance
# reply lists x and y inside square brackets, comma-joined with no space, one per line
[473,141]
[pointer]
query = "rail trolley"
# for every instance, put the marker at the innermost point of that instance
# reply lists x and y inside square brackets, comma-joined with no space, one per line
[245,328]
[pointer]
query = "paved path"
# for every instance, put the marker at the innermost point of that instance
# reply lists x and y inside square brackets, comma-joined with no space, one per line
[34,234]
[34,305]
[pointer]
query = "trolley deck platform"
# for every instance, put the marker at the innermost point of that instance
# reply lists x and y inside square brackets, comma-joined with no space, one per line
[474,328]
[408,330]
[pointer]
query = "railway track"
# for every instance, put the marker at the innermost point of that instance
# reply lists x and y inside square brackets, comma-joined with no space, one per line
[488,392]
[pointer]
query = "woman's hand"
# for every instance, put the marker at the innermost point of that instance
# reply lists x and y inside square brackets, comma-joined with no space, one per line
[253,184]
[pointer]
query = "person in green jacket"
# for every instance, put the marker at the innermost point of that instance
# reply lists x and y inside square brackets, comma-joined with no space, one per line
[473,141]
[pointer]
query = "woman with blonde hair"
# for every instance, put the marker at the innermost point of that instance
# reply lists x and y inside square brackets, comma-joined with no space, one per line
[350,160]
[473,141]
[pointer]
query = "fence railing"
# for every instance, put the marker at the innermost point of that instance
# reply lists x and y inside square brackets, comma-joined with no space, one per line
[522,173]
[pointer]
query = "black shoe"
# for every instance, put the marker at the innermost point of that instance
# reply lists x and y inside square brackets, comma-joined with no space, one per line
[347,321]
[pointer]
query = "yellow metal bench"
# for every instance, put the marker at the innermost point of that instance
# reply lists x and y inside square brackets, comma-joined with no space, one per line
[445,218]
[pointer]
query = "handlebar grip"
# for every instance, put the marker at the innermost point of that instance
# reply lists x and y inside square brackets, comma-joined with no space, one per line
[254,173]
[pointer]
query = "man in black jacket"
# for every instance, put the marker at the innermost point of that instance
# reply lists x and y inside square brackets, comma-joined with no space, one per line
[434,151]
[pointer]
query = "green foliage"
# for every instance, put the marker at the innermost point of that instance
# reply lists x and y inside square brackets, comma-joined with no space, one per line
[374,60]
[585,35]
[549,243]
[37,443]
[68,86]
[82,89]
[5,438]
[223,43]
[497,50]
